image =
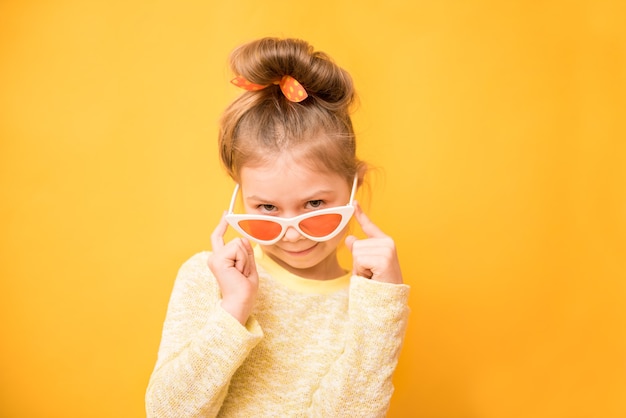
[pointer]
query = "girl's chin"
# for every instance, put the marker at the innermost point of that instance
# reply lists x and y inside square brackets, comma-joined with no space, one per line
[309,263]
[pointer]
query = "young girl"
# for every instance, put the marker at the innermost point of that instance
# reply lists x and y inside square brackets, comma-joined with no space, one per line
[280,329]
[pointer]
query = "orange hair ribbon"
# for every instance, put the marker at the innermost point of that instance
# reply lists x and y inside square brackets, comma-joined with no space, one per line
[293,91]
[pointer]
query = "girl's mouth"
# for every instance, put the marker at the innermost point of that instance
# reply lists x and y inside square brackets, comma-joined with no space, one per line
[301,252]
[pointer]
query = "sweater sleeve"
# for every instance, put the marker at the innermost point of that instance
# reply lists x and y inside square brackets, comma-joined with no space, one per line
[359,383]
[201,348]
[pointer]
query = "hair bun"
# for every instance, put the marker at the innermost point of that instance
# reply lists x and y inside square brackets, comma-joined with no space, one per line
[265,61]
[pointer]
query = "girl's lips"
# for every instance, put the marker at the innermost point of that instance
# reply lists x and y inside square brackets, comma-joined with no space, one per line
[300,253]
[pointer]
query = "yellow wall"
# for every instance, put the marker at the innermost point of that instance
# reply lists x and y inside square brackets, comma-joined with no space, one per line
[499,127]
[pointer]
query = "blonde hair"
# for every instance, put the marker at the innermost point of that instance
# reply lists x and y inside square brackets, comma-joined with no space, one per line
[258,125]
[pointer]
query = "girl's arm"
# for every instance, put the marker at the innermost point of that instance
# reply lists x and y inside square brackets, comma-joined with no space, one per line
[202,346]
[359,383]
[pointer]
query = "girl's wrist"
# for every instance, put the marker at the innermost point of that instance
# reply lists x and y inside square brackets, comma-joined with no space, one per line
[240,311]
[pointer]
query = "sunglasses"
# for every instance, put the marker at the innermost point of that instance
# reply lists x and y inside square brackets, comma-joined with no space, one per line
[319,225]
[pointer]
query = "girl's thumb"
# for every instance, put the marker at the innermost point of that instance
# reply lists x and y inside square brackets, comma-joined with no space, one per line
[350,240]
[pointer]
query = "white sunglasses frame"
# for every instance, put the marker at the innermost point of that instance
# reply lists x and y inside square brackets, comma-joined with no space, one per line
[345,211]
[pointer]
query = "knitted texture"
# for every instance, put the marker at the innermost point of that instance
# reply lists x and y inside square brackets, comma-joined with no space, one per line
[306,351]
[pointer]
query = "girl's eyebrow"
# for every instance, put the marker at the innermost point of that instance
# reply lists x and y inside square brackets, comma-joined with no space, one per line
[317,194]
[256,198]
[313,196]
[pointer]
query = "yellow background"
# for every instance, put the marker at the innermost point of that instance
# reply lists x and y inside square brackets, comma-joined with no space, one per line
[499,131]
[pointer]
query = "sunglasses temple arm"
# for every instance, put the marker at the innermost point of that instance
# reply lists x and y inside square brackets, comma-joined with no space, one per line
[232,199]
[354,183]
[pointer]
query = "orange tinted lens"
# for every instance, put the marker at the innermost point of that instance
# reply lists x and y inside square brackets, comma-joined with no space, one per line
[322,225]
[262,230]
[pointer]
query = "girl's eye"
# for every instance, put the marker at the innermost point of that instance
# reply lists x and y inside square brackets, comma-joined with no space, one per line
[315,204]
[267,208]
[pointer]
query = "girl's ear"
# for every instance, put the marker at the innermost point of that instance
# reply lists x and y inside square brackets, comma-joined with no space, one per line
[361,171]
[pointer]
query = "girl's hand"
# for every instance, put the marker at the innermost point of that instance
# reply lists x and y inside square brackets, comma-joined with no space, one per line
[374,257]
[234,268]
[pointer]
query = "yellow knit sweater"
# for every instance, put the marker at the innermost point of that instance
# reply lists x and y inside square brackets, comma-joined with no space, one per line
[310,348]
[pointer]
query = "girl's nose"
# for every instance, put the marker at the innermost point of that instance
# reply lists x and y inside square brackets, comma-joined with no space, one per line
[292,235]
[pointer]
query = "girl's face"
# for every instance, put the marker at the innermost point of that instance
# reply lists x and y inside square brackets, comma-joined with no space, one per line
[285,188]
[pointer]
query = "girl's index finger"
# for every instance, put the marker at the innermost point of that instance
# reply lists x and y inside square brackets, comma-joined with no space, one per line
[217,237]
[370,229]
